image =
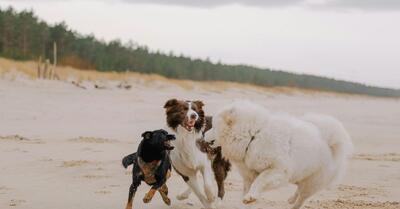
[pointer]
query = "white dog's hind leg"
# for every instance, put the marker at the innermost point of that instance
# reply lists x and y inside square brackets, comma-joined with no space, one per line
[248,177]
[293,198]
[302,197]
[185,194]
[266,180]
[306,189]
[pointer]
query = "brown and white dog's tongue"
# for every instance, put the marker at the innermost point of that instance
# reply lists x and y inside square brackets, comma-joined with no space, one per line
[190,125]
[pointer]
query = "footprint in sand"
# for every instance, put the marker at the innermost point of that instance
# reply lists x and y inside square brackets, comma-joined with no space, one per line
[351,204]
[18,138]
[96,140]
[14,138]
[14,203]
[394,157]
[349,191]
[74,163]
[4,189]
[89,176]
[102,192]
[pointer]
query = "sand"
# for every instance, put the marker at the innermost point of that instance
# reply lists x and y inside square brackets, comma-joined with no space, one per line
[61,145]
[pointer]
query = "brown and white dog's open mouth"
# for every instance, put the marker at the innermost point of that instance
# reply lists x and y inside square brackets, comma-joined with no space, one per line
[189,124]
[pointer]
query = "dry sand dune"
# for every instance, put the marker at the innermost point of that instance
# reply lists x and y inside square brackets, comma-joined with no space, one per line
[61,145]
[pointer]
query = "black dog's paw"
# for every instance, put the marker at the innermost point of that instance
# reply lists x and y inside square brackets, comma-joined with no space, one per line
[166,200]
[149,195]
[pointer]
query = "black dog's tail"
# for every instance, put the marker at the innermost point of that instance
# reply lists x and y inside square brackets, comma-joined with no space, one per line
[128,160]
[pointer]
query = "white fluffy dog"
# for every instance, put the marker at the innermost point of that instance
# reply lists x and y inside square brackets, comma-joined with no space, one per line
[271,150]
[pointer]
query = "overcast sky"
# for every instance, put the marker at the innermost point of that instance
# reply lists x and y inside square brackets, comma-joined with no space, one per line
[357,40]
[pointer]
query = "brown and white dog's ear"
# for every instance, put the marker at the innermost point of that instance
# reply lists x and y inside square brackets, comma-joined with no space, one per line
[199,103]
[147,135]
[171,103]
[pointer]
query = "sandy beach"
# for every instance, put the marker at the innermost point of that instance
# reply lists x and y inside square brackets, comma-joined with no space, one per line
[61,145]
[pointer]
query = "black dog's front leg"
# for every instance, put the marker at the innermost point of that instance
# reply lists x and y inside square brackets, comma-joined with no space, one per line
[164,194]
[159,186]
[149,195]
[136,180]
[132,192]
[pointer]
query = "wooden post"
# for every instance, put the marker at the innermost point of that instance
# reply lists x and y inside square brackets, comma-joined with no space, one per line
[39,69]
[46,69]
[54,61]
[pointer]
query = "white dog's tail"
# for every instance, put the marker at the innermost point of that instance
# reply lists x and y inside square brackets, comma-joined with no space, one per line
[339,143]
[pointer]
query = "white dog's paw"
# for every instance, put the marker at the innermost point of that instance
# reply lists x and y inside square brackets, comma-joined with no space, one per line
[183,196]
[212,205]
[211,198]
[292,199]
[250,198]
[218,201]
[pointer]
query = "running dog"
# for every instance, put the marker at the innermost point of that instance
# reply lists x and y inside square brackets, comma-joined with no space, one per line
[151,164]
[274,149]
[187,121]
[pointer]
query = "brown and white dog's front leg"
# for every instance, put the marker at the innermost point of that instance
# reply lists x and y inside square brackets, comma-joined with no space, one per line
[194,185]
[208,183]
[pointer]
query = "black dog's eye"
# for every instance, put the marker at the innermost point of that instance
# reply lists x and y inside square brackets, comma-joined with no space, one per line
[185,108]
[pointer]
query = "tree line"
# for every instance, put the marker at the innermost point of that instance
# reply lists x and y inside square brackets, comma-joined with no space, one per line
[23,36]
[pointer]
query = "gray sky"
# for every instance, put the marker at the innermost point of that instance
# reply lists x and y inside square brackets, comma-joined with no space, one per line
[356,40]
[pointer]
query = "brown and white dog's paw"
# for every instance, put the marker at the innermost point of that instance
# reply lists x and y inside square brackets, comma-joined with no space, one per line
[182,196]
[249,198]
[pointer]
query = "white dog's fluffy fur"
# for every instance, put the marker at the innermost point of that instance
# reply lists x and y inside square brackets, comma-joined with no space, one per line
[271,149]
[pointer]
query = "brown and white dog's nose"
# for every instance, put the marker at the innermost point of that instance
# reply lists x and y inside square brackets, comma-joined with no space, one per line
[193,116]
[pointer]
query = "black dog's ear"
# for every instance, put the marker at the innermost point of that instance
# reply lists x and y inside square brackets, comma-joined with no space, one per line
[147,135]
[170,103]
[163,131]
[171,137]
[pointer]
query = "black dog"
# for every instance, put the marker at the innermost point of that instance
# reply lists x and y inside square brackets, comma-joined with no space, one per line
[151,164]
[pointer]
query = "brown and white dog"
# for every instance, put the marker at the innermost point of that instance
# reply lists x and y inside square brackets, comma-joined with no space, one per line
[187,121]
